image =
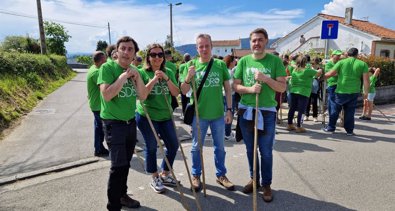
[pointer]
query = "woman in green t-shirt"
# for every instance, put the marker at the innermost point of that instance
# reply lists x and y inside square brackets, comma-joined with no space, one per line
[368,103]
[161,84]
[301,80]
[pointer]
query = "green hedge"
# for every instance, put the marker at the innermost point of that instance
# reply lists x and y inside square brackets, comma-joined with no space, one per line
[387,66]
[27,78]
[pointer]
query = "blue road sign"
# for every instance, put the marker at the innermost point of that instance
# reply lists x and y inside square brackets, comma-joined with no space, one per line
[329,29]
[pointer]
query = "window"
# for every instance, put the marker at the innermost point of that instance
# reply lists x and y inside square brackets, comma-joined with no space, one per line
[385,53]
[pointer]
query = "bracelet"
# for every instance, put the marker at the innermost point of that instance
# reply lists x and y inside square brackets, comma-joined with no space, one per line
[229,109]
[168,79]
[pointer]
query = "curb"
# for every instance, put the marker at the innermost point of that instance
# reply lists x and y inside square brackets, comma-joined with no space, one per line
[62,167]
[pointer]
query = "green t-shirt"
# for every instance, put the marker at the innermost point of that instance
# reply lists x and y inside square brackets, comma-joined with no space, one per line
[211,101]
[350,73]
[372,80]
[183,70]
[171,66]
[123,105]
[302,81]
[93,88]
[328,67]
[155,103]
[270,65]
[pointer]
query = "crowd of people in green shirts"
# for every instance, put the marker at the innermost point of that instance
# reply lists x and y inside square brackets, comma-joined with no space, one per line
[126,93]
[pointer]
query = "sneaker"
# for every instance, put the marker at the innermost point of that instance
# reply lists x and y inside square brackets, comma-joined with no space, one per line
[156,185]
[305,118]
[361,117]
[350,134]
[168,180]
[129,202]
[365,118]
[267,194]
[102,153]
[196,184]
[224,181]
[315,119]
[249,188]
[300,130]
[291,127]
[325,129]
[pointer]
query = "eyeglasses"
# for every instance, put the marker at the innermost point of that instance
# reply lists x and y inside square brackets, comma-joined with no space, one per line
[159,55]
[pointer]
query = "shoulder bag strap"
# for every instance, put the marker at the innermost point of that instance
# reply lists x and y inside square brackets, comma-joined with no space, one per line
[204,78]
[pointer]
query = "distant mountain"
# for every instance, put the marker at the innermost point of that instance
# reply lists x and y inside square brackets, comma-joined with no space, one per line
[245,44]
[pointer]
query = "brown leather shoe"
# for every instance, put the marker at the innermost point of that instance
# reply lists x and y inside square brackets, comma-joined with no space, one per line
[196,184]
[129,202]
[291,127]
[249,188]
[224,181]
[267,194]
[300,130]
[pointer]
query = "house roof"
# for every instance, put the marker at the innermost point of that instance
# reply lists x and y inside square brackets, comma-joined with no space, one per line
[219,43]
[360,25]
[364,26]
[242,52]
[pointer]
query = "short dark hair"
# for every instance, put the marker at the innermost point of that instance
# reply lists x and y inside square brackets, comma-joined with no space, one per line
[97,56]
[260,31]
[167,52]
[352,52]
[128,39]
[109,49]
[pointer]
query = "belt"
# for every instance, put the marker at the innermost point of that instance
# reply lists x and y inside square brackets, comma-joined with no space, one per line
[114,121]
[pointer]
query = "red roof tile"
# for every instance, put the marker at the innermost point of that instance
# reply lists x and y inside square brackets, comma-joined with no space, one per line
[365,26]
[217,43]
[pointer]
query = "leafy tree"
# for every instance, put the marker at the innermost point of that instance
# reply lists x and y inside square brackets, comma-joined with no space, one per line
[101,46]
[20,44]
[56,35]
[85,60]
[167,44]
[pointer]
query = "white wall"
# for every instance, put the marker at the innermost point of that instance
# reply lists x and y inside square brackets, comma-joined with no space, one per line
[223,50]
[383,46]
[347,38]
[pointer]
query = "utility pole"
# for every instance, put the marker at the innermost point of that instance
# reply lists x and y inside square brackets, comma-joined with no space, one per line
[41,27]
[109,34]
[171,22]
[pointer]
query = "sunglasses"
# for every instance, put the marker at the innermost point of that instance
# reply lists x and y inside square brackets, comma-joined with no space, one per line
[159,55]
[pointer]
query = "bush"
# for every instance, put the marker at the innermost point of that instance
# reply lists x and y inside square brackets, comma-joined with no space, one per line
[387,66]
[85,60]
[20,44]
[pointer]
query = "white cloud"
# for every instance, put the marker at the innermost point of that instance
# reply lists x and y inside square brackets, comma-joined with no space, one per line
[380,12]
[150,23]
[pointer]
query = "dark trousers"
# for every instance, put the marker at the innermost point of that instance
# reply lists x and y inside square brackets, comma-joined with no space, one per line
[121,140]
[347,102]
[99,134]
[184,102]
[312,100]
[298,103]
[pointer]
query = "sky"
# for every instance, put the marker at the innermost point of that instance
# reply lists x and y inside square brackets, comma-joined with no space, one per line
[148,21]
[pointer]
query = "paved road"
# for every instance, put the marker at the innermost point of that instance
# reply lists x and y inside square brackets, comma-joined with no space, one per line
[313,171]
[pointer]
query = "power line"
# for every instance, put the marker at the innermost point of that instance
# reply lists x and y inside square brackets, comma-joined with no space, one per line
[54,20]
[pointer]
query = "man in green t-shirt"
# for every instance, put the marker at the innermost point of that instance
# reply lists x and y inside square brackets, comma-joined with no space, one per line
[99,58]
[118,104]
[350,71]
[170,65]
[211,108]
[261,74]
[182,69]
[332,81]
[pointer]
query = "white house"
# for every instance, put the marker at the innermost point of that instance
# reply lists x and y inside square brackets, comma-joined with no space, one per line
[225,47]
[367,37]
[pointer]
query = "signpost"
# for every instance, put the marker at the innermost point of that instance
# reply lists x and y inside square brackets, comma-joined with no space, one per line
[329,30]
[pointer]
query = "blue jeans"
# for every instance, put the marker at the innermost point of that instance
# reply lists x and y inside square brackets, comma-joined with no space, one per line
[217,127]
[348,102]
[265,145]
[331,98]
[299,104]
[169,137]
[228,127]
[99,133]
[121,140]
